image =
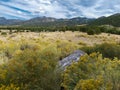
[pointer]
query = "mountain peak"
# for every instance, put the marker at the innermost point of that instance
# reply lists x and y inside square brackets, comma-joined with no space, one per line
[43,19]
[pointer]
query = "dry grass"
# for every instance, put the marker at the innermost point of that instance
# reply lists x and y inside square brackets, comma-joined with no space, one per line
[75,37]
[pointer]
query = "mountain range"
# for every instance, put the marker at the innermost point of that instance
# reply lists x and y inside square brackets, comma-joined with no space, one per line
[4,21]
[45,21]
[50,21]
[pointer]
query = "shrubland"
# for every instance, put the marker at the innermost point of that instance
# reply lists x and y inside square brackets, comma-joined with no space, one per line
[32,65]
[28,61]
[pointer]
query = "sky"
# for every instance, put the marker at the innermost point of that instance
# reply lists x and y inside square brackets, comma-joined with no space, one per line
[26,9]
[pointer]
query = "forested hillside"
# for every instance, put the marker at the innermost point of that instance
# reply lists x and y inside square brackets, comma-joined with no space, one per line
[113,20]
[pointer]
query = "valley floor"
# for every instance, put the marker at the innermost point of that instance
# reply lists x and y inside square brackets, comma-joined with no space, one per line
[75,37]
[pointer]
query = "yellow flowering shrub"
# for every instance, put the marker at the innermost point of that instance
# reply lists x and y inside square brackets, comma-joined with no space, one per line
[66,48]
[92,72]
[30,67]
[9,87]
[89,84]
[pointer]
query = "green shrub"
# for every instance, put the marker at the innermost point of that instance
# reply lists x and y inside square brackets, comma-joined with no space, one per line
[10,32]
[108,50]
[91,32]
[3,33]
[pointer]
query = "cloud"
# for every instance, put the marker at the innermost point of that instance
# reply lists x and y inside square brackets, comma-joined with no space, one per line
[12,12]
[26,9]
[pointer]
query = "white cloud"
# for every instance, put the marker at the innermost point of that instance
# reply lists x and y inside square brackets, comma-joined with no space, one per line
[60,8]
[19,12]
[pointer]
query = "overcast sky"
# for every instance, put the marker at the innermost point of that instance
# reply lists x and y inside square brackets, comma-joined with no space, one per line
[26,9]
